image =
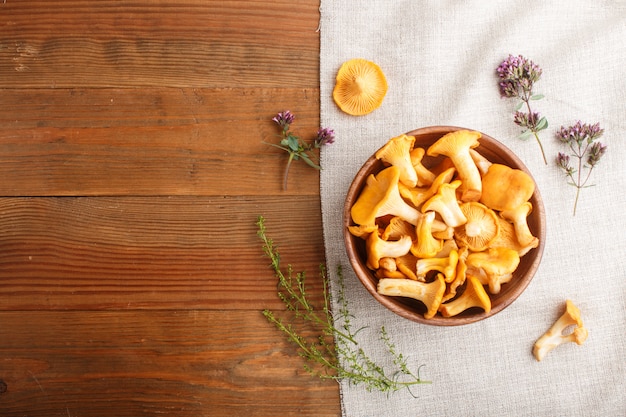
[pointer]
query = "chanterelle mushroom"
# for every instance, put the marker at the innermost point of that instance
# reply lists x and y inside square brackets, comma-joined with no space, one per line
[555,335]
[519,216]
[505,188]
[456,145]
[481,228]
[360,87]
[473,296]
[425,244]
[397,151]
[381,197]
[507,238]
[493,267]
[377,249]
[417,196]
[424,175]
[428,293]
[446,204]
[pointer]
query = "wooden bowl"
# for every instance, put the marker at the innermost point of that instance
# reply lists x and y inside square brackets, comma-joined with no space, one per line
[412,309]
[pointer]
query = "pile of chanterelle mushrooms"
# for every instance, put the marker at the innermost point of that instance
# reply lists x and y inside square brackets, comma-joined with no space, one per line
[447,235]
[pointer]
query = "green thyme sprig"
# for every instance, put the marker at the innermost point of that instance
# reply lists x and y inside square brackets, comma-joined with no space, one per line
[517,77]
[333,353]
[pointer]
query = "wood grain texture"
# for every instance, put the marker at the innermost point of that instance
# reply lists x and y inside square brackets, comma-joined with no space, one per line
[151,252]
[170,43]
[151,141]
[134,363]
[133,170]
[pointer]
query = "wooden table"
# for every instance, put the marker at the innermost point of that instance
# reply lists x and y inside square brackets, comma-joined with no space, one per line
[133,171]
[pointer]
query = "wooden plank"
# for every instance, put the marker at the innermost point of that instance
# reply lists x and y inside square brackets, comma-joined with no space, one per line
[150,253]
[202,43]
[185,363]
[156,141]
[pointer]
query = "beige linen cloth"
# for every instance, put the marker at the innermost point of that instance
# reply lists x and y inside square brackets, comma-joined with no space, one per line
[440,59]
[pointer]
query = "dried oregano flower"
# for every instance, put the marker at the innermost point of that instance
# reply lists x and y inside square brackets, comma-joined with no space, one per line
[518,76]
[581,138]
[295,146]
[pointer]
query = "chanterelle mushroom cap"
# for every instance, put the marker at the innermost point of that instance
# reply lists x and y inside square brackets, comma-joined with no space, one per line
[398,228]
[505,188]
[381,197]
[397,151]
[360,87]
[493,267]
[456,145]
[507,238]
[481,228]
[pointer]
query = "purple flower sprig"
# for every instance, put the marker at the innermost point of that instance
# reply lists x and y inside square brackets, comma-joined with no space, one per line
[582,141]
[295,146]
[518,76]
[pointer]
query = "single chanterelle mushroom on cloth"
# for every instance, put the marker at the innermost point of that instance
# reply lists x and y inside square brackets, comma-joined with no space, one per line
[360,87]
[556,335]
[456,145]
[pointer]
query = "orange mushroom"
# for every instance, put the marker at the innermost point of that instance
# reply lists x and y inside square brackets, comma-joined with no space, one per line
[397,152]
[482,226]
[473,296]
[424,175]
[519,217]
[417,196]
[381,197]
[493,267]
[360,87]
[428,293]
[425,245]
[505,188]
[456,145]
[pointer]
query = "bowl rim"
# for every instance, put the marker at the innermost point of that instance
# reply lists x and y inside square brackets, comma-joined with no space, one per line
[396,304]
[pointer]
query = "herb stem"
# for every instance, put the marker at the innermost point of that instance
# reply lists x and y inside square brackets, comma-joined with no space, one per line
[286,175]
[343,359]
[581,139]
[526,99]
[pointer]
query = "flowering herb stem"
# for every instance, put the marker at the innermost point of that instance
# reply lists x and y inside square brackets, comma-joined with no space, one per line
[535,132]
[333,353]
[518,76]
[295,146]
[581,138]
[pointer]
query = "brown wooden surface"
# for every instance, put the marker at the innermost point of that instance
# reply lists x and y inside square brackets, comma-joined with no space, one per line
[133,171]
